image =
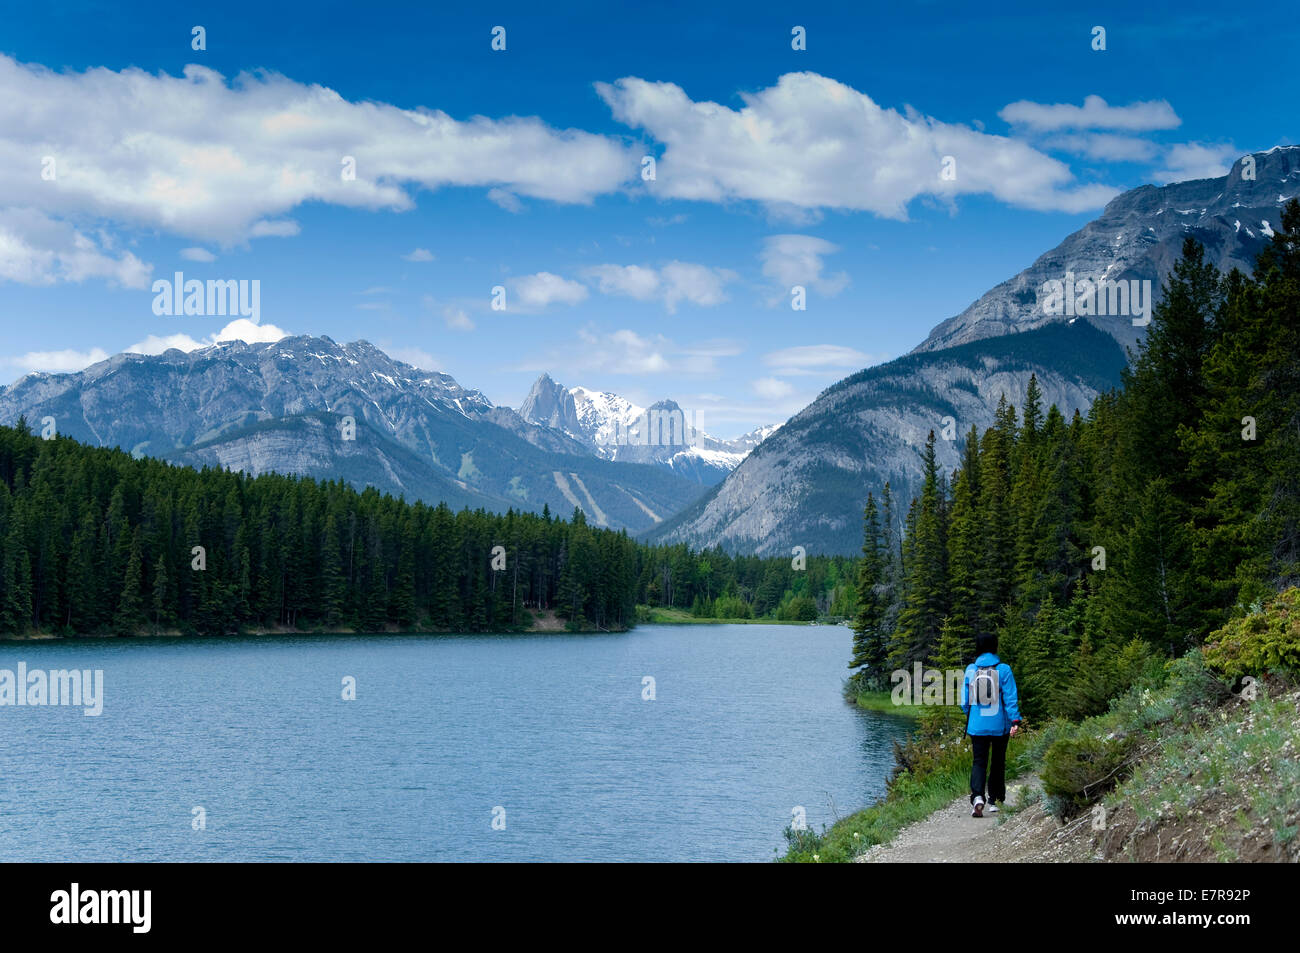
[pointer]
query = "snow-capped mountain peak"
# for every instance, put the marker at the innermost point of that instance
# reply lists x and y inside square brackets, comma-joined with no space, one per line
[615,428]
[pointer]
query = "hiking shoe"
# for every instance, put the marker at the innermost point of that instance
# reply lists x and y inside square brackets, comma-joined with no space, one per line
[993,808]
[977,809]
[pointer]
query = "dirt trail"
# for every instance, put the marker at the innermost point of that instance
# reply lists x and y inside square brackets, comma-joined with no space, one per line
[951,836]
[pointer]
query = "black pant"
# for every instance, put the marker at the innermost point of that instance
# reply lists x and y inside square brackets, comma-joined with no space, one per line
[981,771]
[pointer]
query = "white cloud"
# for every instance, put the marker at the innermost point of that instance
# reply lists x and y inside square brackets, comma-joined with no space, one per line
[1104,146]
[454,316]
[456,319]
[56,362]
[38,250]
[240,329]
[772,388]
[791,260]
[535,292]
[672,284]
[197,254]
[819,359]
[811,143]
[416,357]
[223,161]
[632,281]
[1197,160]
[281,228]
[418,254]
[506,200]
[69,361]
[697,284]
[1095,113]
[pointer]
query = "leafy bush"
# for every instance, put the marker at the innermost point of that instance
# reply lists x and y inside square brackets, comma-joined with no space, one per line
[1078,771]
[798,609]
[1264,642]
[731,607]
[805,844]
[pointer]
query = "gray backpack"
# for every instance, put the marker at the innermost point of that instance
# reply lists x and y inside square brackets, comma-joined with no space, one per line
[985,687]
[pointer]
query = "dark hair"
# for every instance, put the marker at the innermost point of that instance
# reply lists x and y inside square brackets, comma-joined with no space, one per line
[986,642]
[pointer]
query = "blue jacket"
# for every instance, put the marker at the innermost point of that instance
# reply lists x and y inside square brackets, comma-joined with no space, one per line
[999,714]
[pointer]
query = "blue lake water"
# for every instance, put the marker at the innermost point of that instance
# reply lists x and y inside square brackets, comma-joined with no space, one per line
[747,724]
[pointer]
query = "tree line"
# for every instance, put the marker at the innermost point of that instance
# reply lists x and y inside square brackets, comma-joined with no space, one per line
[1095,546]
[93,541]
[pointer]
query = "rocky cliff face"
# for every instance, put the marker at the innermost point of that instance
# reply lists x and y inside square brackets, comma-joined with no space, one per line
[1139,236]
[312,407]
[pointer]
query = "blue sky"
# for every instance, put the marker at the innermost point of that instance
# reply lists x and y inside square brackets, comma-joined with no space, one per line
[522,169]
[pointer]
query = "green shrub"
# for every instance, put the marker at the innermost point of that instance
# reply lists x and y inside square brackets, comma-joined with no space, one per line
[1078,771]
[1263,642]
[731,607]
[798,609]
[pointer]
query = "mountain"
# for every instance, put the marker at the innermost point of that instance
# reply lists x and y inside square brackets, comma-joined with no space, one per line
[1139,236]
[807,483]
[282,407]
[614,428]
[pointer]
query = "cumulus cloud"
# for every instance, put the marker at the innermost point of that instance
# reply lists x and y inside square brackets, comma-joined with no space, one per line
[223,161]
[632,281]
[697,284]
[506,200]
[456,319]
[672,284]
[1104,146]
[536,292]
[240,329]
[1095,113]
[70,361]
[38,250]
[811,143]
[819,359]
[198,254]
[772,388]
[56,362]
[791,260]
[1197,160]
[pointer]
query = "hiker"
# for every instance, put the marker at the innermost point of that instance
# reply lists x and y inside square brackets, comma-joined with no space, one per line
[988,699]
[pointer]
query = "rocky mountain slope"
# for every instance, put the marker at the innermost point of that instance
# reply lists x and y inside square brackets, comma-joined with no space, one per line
[614,428]
[1139,236]
[807,484]
[309,406]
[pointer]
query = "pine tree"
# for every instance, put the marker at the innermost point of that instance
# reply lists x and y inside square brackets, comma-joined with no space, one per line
[160,602]
[926,601]
[869,636]
[964,543]
[130,607]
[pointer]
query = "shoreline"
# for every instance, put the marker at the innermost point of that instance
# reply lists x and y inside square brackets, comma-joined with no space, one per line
[545,621]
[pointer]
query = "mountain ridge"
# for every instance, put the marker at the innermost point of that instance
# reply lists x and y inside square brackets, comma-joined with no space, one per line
[263,407]
[806,485]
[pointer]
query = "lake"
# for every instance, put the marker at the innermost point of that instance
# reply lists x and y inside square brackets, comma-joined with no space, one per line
[501,747]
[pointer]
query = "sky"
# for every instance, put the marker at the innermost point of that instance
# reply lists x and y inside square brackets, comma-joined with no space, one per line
[380,169]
